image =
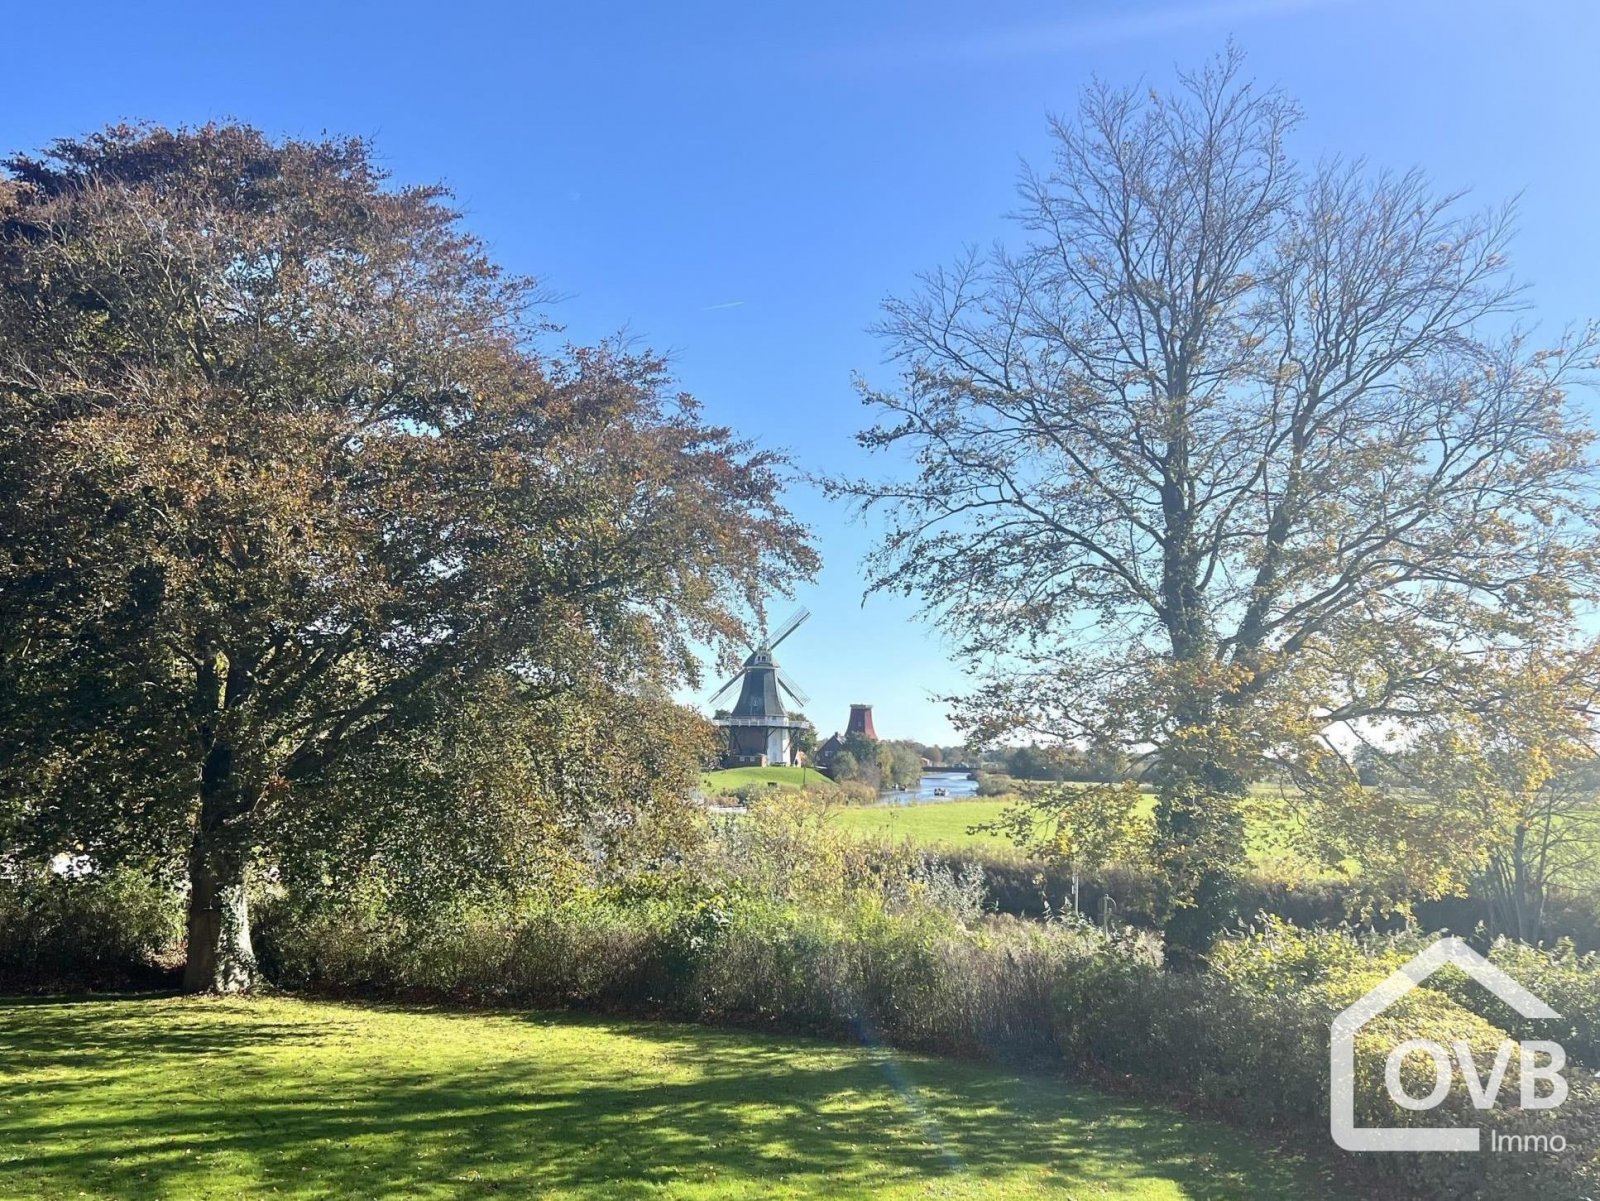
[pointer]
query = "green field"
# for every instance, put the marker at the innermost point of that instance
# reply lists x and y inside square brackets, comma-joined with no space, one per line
[937,824]
[717,782]
[191,1098]
[948,824]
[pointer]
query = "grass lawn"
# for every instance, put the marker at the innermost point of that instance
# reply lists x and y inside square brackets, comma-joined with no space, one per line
[186,1098]
[739,777]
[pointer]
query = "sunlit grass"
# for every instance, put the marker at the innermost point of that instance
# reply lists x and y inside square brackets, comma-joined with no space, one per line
[184,1098]
[936,824]
[715,782]
[956,825]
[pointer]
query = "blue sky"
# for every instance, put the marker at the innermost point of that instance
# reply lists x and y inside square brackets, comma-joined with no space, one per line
[741,184]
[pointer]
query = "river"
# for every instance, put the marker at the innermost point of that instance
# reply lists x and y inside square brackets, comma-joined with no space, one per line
[954,783]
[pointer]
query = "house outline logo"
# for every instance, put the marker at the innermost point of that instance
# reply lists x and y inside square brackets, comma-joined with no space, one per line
[1342,1049]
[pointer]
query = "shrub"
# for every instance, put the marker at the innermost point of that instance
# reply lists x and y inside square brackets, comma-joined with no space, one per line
[1028,887]
[854,792]
[1280,958]
[579,953]
[1567,981]
[994,784]
[1249,1040]
[84,930]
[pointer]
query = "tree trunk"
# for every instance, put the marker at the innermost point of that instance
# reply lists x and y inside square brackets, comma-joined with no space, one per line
[1199,834]
[1514,893]
[1195,923]
[1200,837]
[220,958]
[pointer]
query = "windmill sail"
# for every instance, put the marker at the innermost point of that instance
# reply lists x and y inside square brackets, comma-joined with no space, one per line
[789,686]
[796,620]
[727,687]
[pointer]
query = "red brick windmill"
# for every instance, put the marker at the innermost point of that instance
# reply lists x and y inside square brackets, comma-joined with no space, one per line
[760,730]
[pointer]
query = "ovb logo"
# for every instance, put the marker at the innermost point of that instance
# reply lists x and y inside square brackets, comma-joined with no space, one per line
[1540,1063]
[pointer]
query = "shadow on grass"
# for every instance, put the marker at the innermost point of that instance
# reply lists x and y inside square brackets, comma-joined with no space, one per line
[146,1099]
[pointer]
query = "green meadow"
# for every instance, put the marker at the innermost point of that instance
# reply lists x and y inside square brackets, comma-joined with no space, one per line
[716,783]
[936,824]
[957,825]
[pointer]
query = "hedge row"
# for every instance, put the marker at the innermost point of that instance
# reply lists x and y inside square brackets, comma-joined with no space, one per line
[1024,887]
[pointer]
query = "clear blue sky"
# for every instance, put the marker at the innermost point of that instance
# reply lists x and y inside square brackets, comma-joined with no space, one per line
[741,183]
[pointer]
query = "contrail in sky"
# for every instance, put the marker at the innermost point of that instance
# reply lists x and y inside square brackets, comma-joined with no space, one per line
[1050,37]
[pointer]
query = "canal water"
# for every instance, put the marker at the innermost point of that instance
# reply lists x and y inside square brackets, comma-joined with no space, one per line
[954,783]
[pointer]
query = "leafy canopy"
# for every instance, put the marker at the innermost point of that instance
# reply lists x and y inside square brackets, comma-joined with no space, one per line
[293,501]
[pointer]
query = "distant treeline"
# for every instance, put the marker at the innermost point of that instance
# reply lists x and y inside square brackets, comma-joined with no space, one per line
[898,763]
[1057,763]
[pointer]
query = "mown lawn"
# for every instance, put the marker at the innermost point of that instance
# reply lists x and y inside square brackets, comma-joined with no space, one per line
[187,1098]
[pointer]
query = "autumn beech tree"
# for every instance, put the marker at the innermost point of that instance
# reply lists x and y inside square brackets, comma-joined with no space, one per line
[1221,450]
[292,503]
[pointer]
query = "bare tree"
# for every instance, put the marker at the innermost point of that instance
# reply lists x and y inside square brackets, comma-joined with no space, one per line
[1221,453]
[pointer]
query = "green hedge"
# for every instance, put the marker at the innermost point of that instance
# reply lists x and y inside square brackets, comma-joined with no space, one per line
[1567,981]
[1025,887]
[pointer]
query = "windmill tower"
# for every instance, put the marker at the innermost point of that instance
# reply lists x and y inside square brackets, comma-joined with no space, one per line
[861,722]
[760,732]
